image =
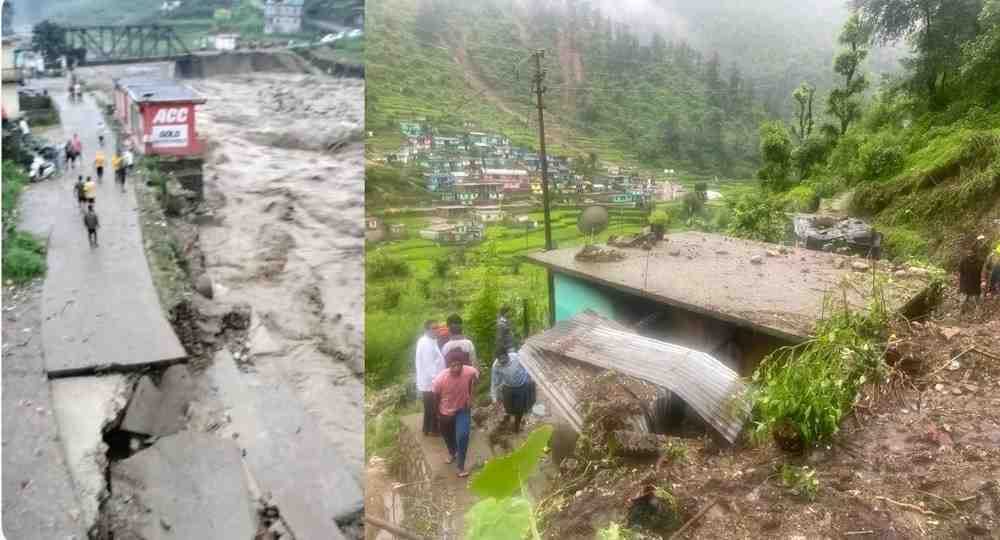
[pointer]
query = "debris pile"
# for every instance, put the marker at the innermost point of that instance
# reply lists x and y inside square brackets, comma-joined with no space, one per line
[592,253]
[828,233]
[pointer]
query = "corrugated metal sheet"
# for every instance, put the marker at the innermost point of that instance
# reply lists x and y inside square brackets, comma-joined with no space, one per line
[711,389]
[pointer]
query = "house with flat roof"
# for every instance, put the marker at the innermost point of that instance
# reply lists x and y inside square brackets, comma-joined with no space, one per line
[283,16]
[158,115]
[736,300]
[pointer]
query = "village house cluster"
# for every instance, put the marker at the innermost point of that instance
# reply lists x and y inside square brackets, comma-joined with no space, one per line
[486,169]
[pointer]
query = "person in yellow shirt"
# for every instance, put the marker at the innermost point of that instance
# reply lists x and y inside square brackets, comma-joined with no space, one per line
[119,168]
[99,164]
[89,191]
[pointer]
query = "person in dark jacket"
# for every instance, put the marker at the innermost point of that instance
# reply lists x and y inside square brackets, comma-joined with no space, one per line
[970,273]
[92,223]
[505,334]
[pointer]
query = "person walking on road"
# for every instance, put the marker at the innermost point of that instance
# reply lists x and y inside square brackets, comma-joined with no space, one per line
[453,390]
[118,165]
[90,192]
[100,132]
[429,363]
[99,164]
[77,148]
[92,223]
[81,198]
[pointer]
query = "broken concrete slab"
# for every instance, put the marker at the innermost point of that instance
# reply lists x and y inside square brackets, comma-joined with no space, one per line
[143,407]
[187,485]
[286,451]
[178,391]
[262,342]
[160,410]
[84,407]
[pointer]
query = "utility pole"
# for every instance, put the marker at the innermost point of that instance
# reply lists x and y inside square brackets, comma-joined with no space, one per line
[539,83]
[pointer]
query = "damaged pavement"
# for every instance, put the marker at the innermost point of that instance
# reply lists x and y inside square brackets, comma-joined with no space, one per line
[129,452]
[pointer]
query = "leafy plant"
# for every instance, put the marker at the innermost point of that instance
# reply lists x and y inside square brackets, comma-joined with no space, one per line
[675,452]
[801,481]
[382,265]
[659,217]
[615,531]
[481,319]
[803,391]
[505,513]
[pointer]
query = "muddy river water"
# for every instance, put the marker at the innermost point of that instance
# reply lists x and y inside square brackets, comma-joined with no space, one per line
[284,198]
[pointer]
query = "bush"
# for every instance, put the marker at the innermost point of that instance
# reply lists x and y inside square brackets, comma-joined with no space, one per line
[903,244]
[694,203]
[803,391]
[880,159]
[481,318]
[801,199]
[384,266]
[757,216]
[23,257]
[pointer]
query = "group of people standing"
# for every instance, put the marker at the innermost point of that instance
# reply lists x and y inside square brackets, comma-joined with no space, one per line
[446,376]
[86,190]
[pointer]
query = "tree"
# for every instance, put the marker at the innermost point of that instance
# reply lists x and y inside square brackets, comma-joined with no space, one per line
[775,155]
[843,102]
[936,29]
[49,38]
[803,96]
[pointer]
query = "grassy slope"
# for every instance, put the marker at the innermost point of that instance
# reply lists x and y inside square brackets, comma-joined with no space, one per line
[946,188]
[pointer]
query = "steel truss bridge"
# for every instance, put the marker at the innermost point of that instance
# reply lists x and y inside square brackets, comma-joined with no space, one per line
[102,45]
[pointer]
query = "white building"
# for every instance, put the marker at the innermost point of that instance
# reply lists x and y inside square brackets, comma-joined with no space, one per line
[11,78]
[282,16]
[226,42]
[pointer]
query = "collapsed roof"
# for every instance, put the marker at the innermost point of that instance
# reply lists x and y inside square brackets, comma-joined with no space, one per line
[566,358]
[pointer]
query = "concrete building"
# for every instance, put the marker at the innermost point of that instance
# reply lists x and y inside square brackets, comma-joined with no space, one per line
[12,78]
[453,233]
[282,16]
[722,296]
[227,42]
[158,115]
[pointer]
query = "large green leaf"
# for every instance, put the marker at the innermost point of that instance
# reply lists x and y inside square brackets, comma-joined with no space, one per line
[502,477]
[504,519]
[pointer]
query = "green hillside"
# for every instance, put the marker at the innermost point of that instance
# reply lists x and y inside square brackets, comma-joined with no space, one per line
[657,102]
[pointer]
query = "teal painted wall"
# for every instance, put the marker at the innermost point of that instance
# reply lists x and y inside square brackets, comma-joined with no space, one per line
[574,295]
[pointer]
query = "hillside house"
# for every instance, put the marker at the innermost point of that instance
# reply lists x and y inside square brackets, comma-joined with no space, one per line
[489,214]
[510,179]
[12,77]
[453,233]
[227,42]
[397,230]
[439,181]
[670,191]
[411,129]
[283,16]
[473,193]
[702,291]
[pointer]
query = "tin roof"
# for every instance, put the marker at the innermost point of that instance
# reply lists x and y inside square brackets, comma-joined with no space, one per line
[565,359]
[713,275]
[157,90]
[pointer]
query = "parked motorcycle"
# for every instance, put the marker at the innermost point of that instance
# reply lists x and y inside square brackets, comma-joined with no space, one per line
[41,169]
